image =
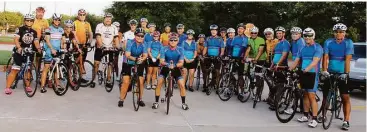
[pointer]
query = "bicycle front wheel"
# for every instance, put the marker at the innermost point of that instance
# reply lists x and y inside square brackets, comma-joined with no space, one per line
[258,92]
[168,94]
[136,92]
[328,111]
[30,80]
[225,90]
[74,76]
[246,93]
[285,104]
[60,82]
[88,76]
[109,77]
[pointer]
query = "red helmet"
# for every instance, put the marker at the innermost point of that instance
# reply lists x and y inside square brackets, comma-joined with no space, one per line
[173,35]
[82,11]
[156,33]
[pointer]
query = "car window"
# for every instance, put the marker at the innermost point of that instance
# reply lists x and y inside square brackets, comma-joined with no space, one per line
[359,51]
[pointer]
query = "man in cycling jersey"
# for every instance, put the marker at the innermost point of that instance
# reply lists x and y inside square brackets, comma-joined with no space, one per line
[54,43]
[297,41]
[231,34]
[40,25]
[164,36]
[172,58]
[236,50]
[223,34]
[106,37]
[270,43]
[25,37]
[213,47]
[337,56]
[136,54]
[181,33]
[149,36]
[129,35]
[310,54]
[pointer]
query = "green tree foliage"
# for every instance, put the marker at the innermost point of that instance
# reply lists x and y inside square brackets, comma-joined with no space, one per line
[12,18]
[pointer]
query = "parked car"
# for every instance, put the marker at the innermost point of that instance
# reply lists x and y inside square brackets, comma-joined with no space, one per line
[357,75]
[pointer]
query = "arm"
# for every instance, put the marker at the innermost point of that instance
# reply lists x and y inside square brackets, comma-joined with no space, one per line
[63,42]
[284,56]
[314,63]
[222,48]
[248,49]
[261,51]
[90,34]
[325,62]
[296,62]
[347,63]
[128,56]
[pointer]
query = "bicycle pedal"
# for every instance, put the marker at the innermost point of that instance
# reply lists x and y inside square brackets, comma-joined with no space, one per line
[162,100]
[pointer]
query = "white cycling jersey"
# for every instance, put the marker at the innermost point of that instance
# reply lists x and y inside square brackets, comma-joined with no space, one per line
[129,35]
[108,33]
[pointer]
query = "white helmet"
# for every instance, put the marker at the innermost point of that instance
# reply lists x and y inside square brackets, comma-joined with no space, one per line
[29,16]
[340,26]
[190,31]
[269,30]
[296,30]
[56,16]
[309,31]
[231,30]
[117,24]
[280,28]
[254,30]
[69,23]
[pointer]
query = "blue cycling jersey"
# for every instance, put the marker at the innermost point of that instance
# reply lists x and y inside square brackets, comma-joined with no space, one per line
[214,45]
[228,47]
[189,49]
[237,46]
[169,54]
[337,53]
[307,53]
[296,46]
[55,35]
[182,38]
[148,38]
[155,47]
[135,50]
[282,46]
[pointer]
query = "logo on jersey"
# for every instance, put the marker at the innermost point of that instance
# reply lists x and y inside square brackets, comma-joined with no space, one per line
[28,38]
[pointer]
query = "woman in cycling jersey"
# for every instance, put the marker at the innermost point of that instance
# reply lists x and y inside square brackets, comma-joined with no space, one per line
[190,54]
[153,49]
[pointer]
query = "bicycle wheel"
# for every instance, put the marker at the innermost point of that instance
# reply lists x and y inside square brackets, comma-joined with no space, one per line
[74,76]
[30,76]
[61,77]
[89,69]
[329,110]
[210,84]
[285,99]
[247,91]
[338,107]
[168,94]
[225,91]
[8,70]
[109,81]
[198,78]
[258,92]
[136,93]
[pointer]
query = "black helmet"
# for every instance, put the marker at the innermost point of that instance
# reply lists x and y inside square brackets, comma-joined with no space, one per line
[241,25]
[139,30]
[167,25]
[223,29]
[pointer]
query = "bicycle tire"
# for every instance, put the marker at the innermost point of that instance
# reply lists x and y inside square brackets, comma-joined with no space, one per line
[258,94]
[246,90]
[63,69]
[198,78]
[111,75]
[8,70]
[326,122]
[33,80]
[291,98]
[225,88]
[168,94]
[338,107]
[90,65]
[73,70]
[136,93]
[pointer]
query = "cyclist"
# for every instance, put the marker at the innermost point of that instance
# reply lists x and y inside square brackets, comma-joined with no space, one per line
[181,33]
[106,37]
[40,25]
[213,47]
[190,62]
[223,34]
[54,43]
[171,53]
[231,34]
[83,35]
[70,40]
[130,35]
[143,25]
[297,41]
[199,51]
[236,50]
[337,56]
[270,43]
[256,48]
[117,54]
[149,35]
[135,52]
[154,47]
[25,36]
[164,36]
[310,55]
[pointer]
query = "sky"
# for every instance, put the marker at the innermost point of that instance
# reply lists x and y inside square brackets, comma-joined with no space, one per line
[68,8]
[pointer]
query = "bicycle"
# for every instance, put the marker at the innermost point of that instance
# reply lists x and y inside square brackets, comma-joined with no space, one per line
[169,90]
[58,66]
[107,76]
[88,79]
[259,80]
[198,73]
[333,103]
[73,69]
[211,84]
[23,74]
[135,86]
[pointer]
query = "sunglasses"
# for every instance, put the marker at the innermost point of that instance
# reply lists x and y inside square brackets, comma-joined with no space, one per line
[82,14]
[29,20]
[253,33]
[173,40]
[308,35]
[140,36]
[57,20]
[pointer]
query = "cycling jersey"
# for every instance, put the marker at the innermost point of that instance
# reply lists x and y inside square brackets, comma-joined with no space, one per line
[40,25]
[107,33]
[238,46]
[296,46]
[155,47]
[200,48]
[164,39]
[307,53]
[255,44]
[337,53]
[69,40]
[282,46]
[82,30]
[214,45]
[146,30]
[229,41]
[270,45]
[172,54]
[135,49]
[129,35]
[148,38]
[56,34]
[182,38]
[27,36]
[189,49]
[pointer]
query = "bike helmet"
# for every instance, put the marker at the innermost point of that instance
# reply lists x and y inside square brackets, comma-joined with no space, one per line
[82,11]
[296,30]
[56,16]
[201,35]
[223,29]
[69,23]
[151,25]
[167,25]
[213,27]
[133,21]
[179,26]
[309,31]
[269,30]
[241,25]
[280,28]
[29,16]
[139,30]
[108,15]
[231,30]
[143,20]
[190,31]
[117,24]
[340,26]
[254,30]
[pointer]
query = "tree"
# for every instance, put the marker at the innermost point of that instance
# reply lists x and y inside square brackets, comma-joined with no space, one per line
[14,19]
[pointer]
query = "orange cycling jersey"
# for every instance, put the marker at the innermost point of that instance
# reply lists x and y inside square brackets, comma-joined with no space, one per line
[82,30]
[164,39]
[270,45]
[40,25]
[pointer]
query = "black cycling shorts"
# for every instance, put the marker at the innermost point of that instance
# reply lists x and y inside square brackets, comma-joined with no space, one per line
[153,64]
[176,73]
[191,65]
[98,54]
[342,85]
[127,69]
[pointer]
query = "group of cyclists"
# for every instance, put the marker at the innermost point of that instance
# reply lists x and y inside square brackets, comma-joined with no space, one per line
[158,54]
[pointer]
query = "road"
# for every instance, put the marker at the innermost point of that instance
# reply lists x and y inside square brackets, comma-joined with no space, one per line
[95,110]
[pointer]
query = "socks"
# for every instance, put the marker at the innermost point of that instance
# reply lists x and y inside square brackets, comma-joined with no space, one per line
[156,98]
[183,99]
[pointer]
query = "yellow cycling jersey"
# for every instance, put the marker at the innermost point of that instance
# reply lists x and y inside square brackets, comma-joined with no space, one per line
[82,30]
[164,39]
[40,25]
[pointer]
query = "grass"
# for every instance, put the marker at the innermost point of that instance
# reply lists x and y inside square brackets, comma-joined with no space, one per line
[6,39]
[4,56]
